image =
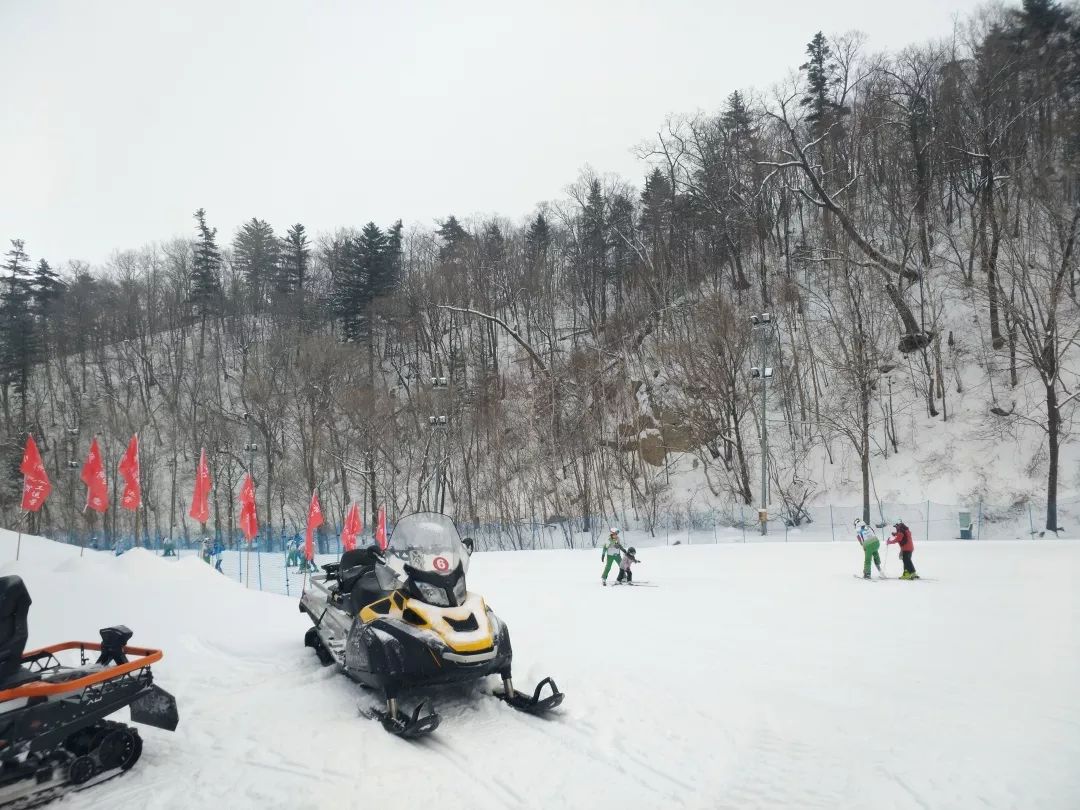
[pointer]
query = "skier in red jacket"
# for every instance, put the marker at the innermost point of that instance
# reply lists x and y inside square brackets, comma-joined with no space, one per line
[902,537]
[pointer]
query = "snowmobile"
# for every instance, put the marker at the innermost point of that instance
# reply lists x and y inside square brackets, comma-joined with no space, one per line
[402,619]
[54,737]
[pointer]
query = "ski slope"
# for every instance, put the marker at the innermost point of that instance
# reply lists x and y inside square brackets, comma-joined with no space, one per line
[752,676]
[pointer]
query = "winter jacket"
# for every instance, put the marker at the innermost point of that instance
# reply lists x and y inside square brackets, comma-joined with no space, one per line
[613,548]
[903,537]
[864,534]
[627,560]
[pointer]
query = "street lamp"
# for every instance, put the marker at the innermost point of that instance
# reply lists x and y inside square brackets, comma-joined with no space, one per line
[438,424]
[762,325]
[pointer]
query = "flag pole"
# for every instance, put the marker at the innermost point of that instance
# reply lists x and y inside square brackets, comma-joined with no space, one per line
[18,543]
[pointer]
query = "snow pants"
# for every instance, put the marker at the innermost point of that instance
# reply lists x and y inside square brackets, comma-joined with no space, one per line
[909,566]
[612,559]
[625,575]
[870,552]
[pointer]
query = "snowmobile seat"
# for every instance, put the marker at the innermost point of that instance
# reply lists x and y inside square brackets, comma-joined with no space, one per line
[14,608]
[365,590]
[354,564]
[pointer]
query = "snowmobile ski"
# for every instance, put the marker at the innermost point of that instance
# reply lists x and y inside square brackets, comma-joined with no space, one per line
[407,725]
[531,704]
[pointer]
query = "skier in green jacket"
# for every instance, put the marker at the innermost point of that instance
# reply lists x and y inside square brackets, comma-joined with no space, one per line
[612,553]
[870,544]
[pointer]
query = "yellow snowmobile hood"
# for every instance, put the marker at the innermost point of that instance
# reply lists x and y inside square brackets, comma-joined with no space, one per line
[464,629]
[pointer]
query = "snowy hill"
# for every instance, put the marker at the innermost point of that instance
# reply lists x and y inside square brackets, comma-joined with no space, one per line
[751,676]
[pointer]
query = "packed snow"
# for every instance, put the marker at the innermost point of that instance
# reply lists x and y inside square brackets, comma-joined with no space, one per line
[750,676]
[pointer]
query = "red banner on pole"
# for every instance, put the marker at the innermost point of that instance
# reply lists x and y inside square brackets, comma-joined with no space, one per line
[314,520]
[129,470]
[380,529]
[249,522]
[97,484]
[36,486]
[200,499]
[353,526]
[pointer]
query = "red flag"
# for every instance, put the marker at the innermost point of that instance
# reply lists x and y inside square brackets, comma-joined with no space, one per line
[380,529]
[351,529]
[249,522]
[36,486]
[314,520]
[200,504]
[129,469]
[97,485]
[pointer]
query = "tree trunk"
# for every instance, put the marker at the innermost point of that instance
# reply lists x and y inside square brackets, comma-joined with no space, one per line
[864,448]
[1053,430]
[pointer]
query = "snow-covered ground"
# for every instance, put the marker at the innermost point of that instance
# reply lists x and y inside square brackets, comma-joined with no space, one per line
[754,675]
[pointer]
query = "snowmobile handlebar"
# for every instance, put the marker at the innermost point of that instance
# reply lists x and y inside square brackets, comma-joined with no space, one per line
[143,657]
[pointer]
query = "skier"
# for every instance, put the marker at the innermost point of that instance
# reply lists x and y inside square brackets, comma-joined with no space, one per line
[625,574]
[612,553]
[293,557]
[868,540]
[206,550]
[902,537]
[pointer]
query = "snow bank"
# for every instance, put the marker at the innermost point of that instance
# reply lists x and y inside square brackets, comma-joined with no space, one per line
[752,676]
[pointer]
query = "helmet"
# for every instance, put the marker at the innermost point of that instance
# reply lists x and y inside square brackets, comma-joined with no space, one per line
[858,524]
[897,521]
[632,550]
[614,529]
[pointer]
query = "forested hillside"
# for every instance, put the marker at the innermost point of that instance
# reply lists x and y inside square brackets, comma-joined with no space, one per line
[908,220]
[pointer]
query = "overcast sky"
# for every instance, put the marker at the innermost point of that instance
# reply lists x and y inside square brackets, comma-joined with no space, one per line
[121,118]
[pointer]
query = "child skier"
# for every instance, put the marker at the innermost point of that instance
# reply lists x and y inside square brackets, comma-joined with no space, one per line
[902,537]
[868,540]
[625,574]
[612,554]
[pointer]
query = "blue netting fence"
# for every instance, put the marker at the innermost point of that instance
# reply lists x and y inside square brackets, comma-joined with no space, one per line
[275,562]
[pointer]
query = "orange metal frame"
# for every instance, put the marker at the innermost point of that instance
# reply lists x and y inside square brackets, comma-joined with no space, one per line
[145,657]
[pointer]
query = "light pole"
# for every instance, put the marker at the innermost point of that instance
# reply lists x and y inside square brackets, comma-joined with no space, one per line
[438,424]
[762,325]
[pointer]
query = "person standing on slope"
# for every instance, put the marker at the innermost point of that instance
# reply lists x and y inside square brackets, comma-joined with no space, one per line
[612,554]
[625,574]
[902,537]
[870,544]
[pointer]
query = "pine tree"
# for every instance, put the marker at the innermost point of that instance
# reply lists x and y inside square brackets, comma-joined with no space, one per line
[256,254]
[820,80]
[18,333]
[205,294]
[46,289]
[455,240]
[293,267]
[373,252]
[592,252]
[537,241]
[395,258]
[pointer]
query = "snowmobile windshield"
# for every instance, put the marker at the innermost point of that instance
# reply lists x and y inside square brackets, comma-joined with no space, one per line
[428,542]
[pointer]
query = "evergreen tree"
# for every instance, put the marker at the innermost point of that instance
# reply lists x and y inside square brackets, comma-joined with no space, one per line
[537,241]
[18,335]
[455,240]
[623,257]
[592,252]
[205,294]
[820,79]
[293,267]
[256,254]
[46,289]
[395,258]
